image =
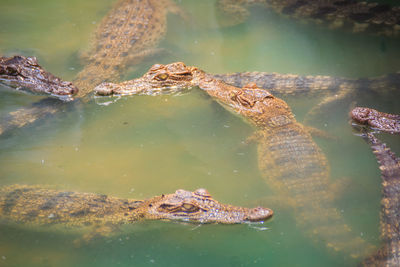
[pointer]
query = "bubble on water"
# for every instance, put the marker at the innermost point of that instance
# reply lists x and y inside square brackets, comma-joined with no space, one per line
[106,100]
[258,226]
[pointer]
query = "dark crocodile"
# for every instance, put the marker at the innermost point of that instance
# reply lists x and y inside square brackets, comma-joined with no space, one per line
[359,16]
[38,205]
[377,120]
[289,160]
[128,33]
[389,165]
[25,73]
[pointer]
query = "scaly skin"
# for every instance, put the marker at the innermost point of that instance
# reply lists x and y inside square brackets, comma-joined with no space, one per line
[126,35]
[335,88]
[389,254]
[379,19]
[293,84]
[389,164]
[378,120]
[36,205]
[25,73]
[288,158]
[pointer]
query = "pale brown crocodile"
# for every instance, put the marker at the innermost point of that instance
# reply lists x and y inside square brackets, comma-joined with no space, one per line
[359,16]
[389,165]
[38,206]
[128,33]
[289,160]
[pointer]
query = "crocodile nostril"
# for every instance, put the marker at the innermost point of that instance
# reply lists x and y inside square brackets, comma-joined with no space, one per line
[259,214]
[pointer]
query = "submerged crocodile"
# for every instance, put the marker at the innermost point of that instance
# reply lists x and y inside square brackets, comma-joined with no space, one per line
[36,205]
[389,164]
[334,88]
[360,16]
[288,158]
[25,73]
[128,33]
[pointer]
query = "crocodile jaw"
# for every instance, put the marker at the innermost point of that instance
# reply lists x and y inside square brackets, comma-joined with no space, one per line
[200,207]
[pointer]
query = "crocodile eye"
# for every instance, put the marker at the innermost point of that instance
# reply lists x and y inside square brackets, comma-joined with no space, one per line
[189,207]
[12,70]
[167,207]
[162,76]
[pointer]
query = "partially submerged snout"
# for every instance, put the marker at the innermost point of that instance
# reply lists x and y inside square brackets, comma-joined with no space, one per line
[200,207]
[25,73]
[259,214]
[159,79]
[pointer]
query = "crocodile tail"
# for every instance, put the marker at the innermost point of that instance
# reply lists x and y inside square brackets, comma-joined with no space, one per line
[379,19]
[26,116]
[295,167]
[231,12]
[385,84]
[389,164]
[287,84]
[292,84]
[326,225]
[388,255]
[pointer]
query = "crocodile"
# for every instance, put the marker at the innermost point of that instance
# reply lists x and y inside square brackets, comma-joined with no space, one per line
[288,159]
[375,18]
[25,73]
[333,89]
[381,121]
[389,165]
[128,33]
[35,205]
[293,84]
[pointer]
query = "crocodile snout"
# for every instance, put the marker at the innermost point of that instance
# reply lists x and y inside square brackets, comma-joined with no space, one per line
[104,89]
[259,214]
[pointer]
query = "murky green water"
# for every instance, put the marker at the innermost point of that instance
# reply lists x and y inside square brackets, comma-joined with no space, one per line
[138,147]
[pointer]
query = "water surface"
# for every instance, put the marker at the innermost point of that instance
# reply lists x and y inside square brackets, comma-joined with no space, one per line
[142,146]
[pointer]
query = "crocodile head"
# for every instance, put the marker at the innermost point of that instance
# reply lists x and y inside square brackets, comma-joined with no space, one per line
[25,73]
[378,120]
[199,206]
[160,79]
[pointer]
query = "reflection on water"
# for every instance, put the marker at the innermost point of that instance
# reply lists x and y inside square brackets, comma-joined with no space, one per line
[142,146]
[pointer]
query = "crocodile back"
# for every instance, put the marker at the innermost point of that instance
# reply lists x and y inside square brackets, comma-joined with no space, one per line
[297,169]
[125,35]
[37,205]
[389,164]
